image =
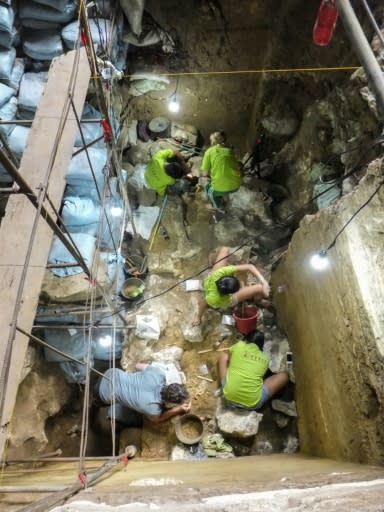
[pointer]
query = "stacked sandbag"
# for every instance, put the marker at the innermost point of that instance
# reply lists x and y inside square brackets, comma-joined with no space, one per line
[90,131]
[31,89]
[79,177]
[8,32]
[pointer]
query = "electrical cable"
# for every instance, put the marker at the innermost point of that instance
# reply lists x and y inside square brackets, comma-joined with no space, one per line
[376,141]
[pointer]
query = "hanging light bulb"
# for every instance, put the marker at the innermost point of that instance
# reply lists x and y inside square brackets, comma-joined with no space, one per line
[105,341]
[320,261]
[173,105]
[116,211]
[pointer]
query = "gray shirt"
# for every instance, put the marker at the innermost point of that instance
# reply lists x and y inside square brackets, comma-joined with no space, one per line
[136,390]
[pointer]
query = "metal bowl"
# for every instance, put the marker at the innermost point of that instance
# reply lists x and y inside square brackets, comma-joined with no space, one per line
[132,289]
[189,429]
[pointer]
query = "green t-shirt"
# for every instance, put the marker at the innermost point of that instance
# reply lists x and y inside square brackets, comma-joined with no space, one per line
[221,164]
[155,174]
[244,379]
[212,295]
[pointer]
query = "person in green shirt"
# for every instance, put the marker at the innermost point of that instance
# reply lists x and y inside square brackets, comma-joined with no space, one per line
[222,288]
[166,173]
[241,372]
[220,164]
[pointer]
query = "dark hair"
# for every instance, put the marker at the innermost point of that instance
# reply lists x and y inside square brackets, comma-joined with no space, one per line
[175,170]
[227,285]
[174,393]
[256,337]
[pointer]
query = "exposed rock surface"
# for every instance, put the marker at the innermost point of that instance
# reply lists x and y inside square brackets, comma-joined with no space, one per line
[237,422]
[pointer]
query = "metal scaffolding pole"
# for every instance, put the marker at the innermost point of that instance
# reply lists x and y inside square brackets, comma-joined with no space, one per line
[363,51]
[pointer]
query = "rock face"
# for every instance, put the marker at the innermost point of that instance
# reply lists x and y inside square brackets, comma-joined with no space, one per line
[237,422]
[335,328]
[41,395]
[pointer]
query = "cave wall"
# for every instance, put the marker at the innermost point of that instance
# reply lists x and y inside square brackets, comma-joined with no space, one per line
[335,326]
[221,35]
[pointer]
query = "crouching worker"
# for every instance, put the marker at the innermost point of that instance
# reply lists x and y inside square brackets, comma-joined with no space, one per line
[241,372]
[166,173]
[220,165]
[222,287]
[144,391]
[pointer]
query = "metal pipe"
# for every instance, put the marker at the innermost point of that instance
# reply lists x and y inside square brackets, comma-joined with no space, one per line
[363,51]
[32,488]
[86,146]
[30,121]
[82,326]
[38,340]
[26,189]
[49,502]
[373,21]
[55,459]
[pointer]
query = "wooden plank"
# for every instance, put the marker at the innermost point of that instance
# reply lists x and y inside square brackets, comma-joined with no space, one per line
[16,226]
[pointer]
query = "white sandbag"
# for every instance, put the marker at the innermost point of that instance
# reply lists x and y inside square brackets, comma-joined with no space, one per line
[40,24]
[152,37]
[17,139]
[59,254]
[141,83]
[31,88]
[133,10]
[7,59]
[17,73]
[79,169]
[42,45]
[6,94]
[7,17]
[68,341]
[80,215]
[59,5]
[90,131]
[35,11]
[9,39]
[100,31]
[8,113]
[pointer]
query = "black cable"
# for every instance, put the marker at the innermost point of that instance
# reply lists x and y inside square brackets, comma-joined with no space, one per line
[354,215]
[263,232]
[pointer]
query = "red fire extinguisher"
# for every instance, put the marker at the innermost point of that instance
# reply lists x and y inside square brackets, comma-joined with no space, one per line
[325,22]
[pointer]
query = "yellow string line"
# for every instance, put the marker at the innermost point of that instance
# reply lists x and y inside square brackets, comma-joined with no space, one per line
[255,71]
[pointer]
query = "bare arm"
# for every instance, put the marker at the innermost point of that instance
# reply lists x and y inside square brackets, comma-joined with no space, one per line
[169,413]
[202,307]
[248,267]
[141,366]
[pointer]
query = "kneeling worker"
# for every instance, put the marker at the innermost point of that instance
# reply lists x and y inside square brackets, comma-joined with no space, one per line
[241,372]
[166,173]
[144,391]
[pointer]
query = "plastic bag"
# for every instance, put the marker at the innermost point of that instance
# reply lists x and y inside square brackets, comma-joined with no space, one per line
[80,215]
[31,88]
[147,327]
[60,254]
[17,139]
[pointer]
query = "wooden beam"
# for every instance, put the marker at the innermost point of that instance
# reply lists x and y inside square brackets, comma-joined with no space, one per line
[16,226]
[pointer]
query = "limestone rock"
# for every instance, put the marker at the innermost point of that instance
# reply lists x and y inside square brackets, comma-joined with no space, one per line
[288,408]
[291,445]
[41,395]
[281,420]
[248,201]
[237,422]
[281,122]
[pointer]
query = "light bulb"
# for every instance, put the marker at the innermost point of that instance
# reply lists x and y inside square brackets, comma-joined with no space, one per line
[105,341]
[320,261]
[173,105]
[116,211]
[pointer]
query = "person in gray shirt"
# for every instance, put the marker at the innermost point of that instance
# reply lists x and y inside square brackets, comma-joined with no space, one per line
[144,391]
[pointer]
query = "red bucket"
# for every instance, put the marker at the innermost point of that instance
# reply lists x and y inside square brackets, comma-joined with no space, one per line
[246,318]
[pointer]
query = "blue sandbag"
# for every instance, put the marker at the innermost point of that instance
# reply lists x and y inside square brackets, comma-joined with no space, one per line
[72,343]
[59,254]
[80,215]
[7,60]
[32,10]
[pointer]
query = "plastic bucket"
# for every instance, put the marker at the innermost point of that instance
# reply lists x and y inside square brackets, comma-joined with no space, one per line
[246,318]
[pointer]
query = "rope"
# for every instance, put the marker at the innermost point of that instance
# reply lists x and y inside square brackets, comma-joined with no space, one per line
[254,71]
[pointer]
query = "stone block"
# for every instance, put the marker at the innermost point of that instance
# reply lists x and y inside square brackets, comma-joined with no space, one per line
[237,422]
